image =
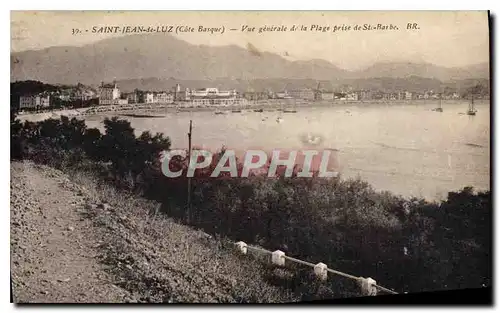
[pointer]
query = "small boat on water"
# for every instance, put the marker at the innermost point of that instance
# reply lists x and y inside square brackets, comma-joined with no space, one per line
[292,109]
[236,111]
[471,110]
[279,120]
[220,113]
[440,107]
[259,110]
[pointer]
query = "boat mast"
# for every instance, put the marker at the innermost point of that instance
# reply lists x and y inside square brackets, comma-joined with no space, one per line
[318,93]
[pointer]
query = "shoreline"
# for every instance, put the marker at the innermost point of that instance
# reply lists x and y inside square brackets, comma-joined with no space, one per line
[265,106]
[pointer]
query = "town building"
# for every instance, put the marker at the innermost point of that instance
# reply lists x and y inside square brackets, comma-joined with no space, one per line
[77,93]
[177,92]
[378,95]
[322,95]
[352,96]
[121,101]
[305,94]
[83,95]
[212,93]
[149,97]
[164,97]
[365,95]
[64,95]
[327,96]
[132,97]
[318,95]
[206,93]
[254,96]
[86,94]
[158,97]
[207,97]
[282,95]
[340,96]
[391,96]
[109,94]
[41,100]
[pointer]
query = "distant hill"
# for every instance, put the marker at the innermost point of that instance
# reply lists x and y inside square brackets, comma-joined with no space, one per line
[162,56]
[30,87]
[428,70]
[386,84]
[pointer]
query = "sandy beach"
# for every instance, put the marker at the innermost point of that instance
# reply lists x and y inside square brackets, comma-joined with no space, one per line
[265,105]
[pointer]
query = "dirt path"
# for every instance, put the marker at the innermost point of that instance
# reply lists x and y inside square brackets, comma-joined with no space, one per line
[64,248]
[52,246]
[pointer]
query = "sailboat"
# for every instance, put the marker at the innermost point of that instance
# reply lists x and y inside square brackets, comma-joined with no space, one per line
[471,110]
[440,107]
[279,119]
[291,110]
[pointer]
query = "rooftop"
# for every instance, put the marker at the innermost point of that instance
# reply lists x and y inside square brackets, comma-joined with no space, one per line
[108,86]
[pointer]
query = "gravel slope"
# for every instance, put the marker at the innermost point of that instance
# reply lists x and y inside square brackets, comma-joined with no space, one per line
[52,247]
[69,246]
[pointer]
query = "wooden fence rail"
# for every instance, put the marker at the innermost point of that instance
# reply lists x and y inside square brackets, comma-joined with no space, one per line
[368,285]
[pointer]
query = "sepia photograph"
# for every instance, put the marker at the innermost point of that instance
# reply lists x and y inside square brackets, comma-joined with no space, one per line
[250,157]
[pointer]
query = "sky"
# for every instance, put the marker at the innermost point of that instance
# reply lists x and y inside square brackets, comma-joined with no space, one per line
[445,38]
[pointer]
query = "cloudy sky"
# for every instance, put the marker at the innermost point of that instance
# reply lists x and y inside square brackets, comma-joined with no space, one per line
[446,38]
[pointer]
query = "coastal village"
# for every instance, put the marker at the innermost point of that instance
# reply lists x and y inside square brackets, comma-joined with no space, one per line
[109,94]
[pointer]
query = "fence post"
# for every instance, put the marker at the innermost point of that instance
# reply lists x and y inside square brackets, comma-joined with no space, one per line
[278,257]
[242,247]
[321,271]
[368,286]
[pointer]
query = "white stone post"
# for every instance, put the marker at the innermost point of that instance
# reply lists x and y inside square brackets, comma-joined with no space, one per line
[278,257]
[242,247]
[320,270]
[368,286]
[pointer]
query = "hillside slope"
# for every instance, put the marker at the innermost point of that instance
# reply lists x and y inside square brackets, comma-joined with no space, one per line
[66,249]
[52,250]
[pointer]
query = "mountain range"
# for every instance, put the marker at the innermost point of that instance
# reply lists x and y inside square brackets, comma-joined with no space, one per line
[166,57]
[385,84]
